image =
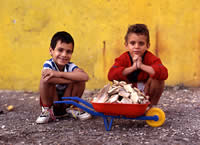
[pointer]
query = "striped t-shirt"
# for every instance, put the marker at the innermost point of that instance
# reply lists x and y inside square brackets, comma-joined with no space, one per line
[50,64]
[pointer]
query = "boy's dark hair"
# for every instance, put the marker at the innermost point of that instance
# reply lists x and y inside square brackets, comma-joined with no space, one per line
[63,37]
[140,29]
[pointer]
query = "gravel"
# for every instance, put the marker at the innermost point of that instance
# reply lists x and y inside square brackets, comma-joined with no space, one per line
[182,126]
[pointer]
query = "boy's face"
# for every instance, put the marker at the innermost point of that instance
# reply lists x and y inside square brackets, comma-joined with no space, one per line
[136,44]
[62,54]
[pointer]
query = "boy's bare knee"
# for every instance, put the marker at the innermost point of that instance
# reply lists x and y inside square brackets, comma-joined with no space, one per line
[156,84]
[81,84]
[75,89]
[78,89]
[43,81]
[77,85]
[156,88]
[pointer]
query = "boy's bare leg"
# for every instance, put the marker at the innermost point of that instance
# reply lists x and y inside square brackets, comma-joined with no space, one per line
[47,96]
[154,89]
[47,93]
[75,89]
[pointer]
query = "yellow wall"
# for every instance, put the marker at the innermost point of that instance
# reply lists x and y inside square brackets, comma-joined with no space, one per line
[98,27]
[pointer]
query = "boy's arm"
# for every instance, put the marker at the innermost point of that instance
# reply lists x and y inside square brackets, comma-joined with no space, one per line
[147,69]
[116,71]
[161,72]
[50,76]
[77,75]
[156,70]
[56,77]
[129,70]
[54,80]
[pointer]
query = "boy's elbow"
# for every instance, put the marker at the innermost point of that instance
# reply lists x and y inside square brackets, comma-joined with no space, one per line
[86,78]
[161,73]
[164,75]
[110,78]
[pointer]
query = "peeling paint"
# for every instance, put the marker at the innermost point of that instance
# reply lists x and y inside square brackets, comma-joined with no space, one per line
[104,55]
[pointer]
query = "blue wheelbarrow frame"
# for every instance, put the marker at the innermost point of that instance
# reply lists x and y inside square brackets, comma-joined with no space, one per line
[108,119]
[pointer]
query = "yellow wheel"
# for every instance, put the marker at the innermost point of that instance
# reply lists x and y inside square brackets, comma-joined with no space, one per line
[159,113]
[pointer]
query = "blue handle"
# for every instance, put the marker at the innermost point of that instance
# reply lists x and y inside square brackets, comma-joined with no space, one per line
[80,100]
[80,106]
[155,118]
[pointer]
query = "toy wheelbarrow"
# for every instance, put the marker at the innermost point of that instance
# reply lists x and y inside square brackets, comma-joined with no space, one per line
[154,117]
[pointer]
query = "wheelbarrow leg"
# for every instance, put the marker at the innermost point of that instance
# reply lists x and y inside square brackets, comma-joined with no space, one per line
[108,124]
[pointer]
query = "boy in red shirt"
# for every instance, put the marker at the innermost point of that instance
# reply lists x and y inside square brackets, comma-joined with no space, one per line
[139,66]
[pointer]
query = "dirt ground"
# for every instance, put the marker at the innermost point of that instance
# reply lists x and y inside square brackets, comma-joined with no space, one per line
[182,126]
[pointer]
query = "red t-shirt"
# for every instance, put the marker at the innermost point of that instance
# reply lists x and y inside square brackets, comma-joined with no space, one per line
[125,60]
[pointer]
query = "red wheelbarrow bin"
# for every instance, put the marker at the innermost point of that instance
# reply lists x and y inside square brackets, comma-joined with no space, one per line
[154,117]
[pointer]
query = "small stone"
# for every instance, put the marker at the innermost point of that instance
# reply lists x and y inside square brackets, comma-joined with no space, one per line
[186,139]
[3,126]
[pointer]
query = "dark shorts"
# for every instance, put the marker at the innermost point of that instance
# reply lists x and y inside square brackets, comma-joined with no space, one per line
[60,93]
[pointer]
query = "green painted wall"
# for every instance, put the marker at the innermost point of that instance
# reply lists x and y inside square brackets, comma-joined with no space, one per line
[98,28]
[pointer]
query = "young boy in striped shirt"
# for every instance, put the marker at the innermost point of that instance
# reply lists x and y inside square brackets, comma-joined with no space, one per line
[60,77]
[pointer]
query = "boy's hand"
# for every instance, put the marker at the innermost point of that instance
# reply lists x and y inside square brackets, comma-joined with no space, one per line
[139,62]
[79,70]
[47,74]
[135,58]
